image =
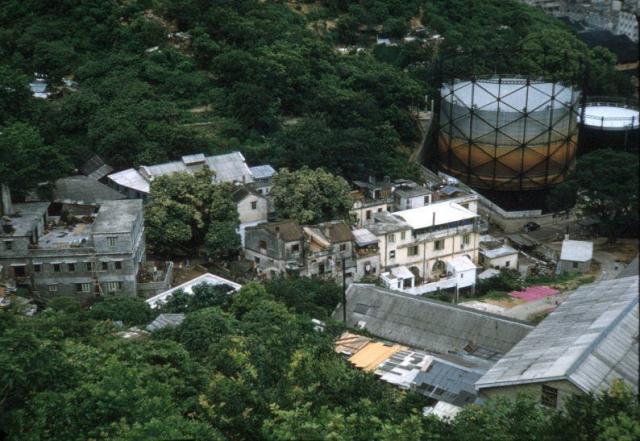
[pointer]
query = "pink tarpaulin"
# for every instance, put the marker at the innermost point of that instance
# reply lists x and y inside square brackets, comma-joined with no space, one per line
[534,293]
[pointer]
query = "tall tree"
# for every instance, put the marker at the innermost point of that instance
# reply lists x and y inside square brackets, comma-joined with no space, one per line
[604,185]
[310,196]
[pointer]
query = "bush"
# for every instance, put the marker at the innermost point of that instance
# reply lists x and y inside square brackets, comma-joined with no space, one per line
[130,310]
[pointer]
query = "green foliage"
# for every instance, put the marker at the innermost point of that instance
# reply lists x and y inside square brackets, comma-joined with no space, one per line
[507,280]
[190,210]
[130,310]
[310,196]
[315,297]
[204,295]
[614,202]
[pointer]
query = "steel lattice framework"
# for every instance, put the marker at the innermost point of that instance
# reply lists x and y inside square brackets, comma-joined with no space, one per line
[508,133]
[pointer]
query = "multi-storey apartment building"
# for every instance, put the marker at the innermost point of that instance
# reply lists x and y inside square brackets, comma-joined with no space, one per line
[424,239]
[96,254]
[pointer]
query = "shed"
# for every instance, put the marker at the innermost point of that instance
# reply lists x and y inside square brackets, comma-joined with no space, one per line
[575,256]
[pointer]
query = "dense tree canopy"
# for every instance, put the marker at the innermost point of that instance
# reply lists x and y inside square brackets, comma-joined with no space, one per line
[310,196]
[604,185]
[247,369]
[188,210]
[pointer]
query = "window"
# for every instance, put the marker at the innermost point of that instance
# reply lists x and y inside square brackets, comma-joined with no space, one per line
[466,239]
[402,235]
[549,396]
[37,267]
[574,264]
[262,244]
[53,288]
[113,286]
[412,251]
[112,241]
[89,266]
[104,266]
[343,247]
[19,271]
[426,200]
[391,238]
[254,205]
[8,245]
[368,216]
[83,287]
[56,267]
[295,248]
[321,268]
[118,264]
[71,267]
[379,210]
[392,254]
[438,245]
[256,259]
[507,264]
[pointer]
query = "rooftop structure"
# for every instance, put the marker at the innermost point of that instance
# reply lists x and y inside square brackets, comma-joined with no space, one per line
[429,324]
[590,340]
[230,167]
[95,168]
[116,216]
[364,237]
[83,190]
[187,287]
[433,215]
[576,250]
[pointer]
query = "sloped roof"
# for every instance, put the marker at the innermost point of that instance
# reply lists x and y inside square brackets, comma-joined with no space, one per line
[95,168]
[591,339]
[449,382]
[187,288]
[229,167]
[576,250]
[336,231]
[242,191]
[83,189]
[429,324]
[289,229]
[262,171]
[164,320]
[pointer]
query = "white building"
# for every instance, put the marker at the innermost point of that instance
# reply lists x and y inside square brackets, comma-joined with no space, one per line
[496,254]
[426,239]
[575,256]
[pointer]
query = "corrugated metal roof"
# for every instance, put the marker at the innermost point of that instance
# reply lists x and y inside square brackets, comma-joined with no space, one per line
[590,339]
[449,382]
[429,324]
[262,171]
[164,320]
[576,250]
[230,167]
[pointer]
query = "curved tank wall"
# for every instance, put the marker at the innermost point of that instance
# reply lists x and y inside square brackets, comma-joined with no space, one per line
[609,123]
[508,134]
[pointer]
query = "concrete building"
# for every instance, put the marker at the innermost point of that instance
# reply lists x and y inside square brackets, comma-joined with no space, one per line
[408,195]
[496,254]
[366,253]
[370,197]
[326,246]
[276,248]
[231,167]
[97,254]
[587,344]
[575,256]
[424,239]
[263,178]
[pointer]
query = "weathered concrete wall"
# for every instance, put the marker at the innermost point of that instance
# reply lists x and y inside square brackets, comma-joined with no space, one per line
[534,390]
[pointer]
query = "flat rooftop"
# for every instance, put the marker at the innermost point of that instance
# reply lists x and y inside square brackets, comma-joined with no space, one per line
[431,215]
[26,218]
[117,216]
[611,117]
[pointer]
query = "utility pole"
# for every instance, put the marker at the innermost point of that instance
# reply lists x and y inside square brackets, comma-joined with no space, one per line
[344,291]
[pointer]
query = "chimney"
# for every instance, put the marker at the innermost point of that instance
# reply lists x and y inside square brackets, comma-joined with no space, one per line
[566,237]
[6,208]
[433,222]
